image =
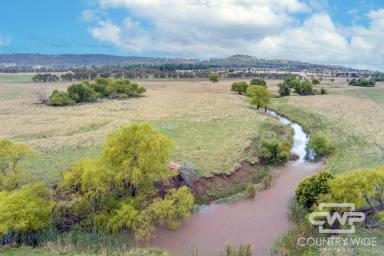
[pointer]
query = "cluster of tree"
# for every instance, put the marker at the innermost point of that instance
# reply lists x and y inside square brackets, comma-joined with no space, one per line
[90,92]
[362,82]
[46,77]
[363,187]
[118,190]
[302,88]
[242,86]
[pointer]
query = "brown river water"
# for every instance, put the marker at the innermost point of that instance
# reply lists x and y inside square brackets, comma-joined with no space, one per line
[259,222]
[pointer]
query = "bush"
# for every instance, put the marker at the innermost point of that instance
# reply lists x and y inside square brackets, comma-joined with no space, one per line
[362,82]
[242,250]
[323,91]
[81,92]
[258,81]
[213,77]
[296,211]
[309,190]
[239,87]
[315,81]
[304,88]
[60,99]
[284,89]
[275,151]
[250,190]
[318,146]
[25,210]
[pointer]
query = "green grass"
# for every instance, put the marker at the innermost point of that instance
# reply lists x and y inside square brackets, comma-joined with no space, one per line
[353,148]
[49,166]
[16,77]
[375,94]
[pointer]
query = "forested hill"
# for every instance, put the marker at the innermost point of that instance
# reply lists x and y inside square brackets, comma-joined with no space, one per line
[76,60]
[25,62]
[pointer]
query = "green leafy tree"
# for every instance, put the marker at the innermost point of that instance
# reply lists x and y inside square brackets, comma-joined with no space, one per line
[11,173]
[82,92]
[25,210]
[137,155]
[363,187]
[60,99]
[309,190]
[117,191]
[258,81]
[239,87]
[213,77]
[260,96]
[284,89]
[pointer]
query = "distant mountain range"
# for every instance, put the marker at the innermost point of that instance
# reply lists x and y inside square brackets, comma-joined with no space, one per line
[81,60]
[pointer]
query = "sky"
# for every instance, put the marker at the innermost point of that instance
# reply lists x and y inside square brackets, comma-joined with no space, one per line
[345,32]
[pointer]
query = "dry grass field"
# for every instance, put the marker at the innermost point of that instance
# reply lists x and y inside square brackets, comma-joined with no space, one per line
[210,125]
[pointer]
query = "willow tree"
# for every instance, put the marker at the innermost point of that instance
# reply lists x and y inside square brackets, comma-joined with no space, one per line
[117,191]
[11,172]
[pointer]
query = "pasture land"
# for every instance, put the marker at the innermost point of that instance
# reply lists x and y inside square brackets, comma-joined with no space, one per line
[211,127]
[353,117]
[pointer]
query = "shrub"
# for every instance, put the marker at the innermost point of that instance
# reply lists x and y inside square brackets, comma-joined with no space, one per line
[60,99]
[239,87]
[323,91]
[362,82]
[258,81]
[284,89]
[315,81]
[296,211]
[309,190]
[250,190]
[213,77]
[25,210]
[242,250]
[318,146]
[275,151]
[304,88]
[82,92]
[267,180]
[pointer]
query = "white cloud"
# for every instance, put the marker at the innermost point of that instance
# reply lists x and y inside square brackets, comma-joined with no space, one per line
[264,28]
[4,41]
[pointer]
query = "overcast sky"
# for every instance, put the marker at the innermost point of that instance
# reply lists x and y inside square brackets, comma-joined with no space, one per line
[333,32]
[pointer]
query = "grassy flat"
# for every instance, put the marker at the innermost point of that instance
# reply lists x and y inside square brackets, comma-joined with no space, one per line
[211,126]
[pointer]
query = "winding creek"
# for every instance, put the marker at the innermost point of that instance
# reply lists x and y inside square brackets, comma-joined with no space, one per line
[260,221]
